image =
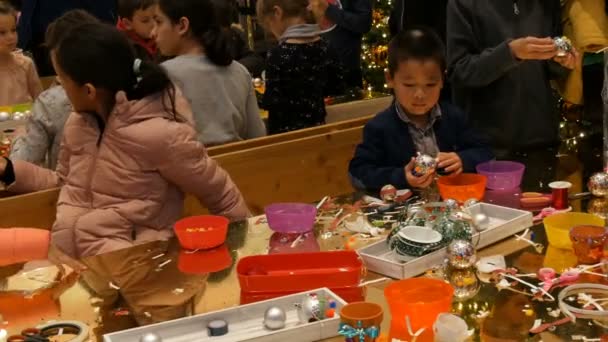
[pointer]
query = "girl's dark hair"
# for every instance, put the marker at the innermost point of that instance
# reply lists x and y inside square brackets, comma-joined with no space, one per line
[58,28]
[101,55]
[204,26]
[226,12]
[420,43]
[291,9]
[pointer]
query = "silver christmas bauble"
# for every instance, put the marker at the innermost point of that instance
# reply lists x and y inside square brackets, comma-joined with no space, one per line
[598,184]
[465,284]
[4,116]
[461,254]
[564,46]
[481,222]
[27,113]
[18,116]
[274,318]
[598,207]
[451,204]
[470,202]
[150,337]
[423,164]
[388,193]
[309,309]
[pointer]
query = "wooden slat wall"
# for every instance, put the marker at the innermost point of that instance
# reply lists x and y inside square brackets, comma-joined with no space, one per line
[302,170]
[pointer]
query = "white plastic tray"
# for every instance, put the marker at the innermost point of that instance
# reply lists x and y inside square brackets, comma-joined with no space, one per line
[245,323]
[504,222]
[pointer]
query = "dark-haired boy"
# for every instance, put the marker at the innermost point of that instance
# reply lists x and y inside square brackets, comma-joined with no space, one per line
[136,21]
[415,122]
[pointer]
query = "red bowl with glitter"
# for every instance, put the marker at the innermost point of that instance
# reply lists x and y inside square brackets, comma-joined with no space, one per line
[201,232]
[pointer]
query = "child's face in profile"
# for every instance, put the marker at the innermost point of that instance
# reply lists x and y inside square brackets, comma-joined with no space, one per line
[167,35]
[417,85]
[142,22]
[8,33]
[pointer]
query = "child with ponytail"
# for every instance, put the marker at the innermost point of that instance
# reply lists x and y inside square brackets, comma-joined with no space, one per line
[129,152]
[219,89]
[301,71]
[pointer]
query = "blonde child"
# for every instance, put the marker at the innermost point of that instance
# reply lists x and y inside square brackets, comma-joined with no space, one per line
[301,71]
[19,81]
[219,89]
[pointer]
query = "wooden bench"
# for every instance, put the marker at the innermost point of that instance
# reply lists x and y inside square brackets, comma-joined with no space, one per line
[300,170]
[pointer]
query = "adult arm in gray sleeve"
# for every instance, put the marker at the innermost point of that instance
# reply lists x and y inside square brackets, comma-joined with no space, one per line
[469,64]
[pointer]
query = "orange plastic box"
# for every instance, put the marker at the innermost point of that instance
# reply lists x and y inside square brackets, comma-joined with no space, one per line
[300,272]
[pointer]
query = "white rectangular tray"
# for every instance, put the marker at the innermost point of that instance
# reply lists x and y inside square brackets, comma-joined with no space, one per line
[245,323]
[504,222]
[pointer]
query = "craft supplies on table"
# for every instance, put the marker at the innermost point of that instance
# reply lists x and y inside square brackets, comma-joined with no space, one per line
[246,322]
[503,223]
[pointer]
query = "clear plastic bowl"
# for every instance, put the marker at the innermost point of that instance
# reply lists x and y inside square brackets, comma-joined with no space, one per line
[502,174]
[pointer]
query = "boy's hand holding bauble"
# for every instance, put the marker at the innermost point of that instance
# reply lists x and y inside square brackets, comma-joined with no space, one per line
[415,181]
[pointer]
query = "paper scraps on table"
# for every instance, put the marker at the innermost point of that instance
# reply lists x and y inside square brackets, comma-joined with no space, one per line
[539,247]
[113,286]
[177,291]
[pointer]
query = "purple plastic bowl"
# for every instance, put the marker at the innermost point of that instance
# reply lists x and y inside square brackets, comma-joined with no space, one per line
[291,217]
[502,174]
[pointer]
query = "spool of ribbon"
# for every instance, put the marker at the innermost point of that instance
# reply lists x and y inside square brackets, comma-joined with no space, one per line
[360,332]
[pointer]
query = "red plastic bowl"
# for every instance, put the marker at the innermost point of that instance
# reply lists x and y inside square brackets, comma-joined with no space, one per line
[291,217]
[207,261]
[201,232]
[502,174]
[300,272]
[462,187]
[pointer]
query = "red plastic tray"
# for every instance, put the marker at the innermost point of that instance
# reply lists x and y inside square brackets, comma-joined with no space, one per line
[349,294]
[300,272]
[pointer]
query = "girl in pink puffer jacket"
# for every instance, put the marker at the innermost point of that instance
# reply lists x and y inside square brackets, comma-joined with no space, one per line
[129,151]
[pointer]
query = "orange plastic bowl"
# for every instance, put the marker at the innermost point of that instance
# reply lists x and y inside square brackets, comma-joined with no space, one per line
[201,232]
[462,187]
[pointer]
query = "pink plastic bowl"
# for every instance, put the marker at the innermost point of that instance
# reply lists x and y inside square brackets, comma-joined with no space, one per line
[291,217]
[502,174]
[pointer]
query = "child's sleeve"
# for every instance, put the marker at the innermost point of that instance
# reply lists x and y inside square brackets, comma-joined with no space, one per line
[468,64]
[34,144]
[473,147]
[272,94]
[335,75]
[254,126]
[33,81]
[183,160]
[368,169]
